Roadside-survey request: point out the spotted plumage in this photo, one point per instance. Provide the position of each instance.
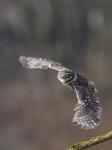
(88, 111)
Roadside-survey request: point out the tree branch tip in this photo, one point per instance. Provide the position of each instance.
(91, 142)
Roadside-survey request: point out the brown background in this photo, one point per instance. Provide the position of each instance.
(35, 109)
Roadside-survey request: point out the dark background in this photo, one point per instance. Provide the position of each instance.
(35, 109)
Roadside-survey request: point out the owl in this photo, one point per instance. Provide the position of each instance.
(88, 111)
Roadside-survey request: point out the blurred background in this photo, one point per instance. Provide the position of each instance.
(35, 109)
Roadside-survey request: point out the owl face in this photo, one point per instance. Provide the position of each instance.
(65, 76)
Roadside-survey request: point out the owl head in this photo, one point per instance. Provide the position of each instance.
(65, 76)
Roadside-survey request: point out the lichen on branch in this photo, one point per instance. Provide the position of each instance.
(91, 142)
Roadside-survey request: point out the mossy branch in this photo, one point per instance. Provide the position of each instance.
(91, 142)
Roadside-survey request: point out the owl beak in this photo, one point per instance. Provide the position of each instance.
(60, 77)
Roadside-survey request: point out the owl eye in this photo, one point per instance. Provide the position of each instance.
(67, 75)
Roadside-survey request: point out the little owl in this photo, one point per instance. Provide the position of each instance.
(88, 111)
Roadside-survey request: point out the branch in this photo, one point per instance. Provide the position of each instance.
(91, 142)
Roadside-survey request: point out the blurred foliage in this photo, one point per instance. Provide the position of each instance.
(36, 110)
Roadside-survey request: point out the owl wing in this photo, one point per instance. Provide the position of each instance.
(41, 63)
(88, 111)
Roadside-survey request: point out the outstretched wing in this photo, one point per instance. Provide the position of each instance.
(41, 63)
(88, 111)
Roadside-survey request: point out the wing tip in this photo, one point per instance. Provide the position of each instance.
(23, 60)
(87, 121)
(85, 127)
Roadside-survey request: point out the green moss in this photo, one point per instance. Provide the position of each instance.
(93, 141)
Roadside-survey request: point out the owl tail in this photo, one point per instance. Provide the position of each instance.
(86, 118)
